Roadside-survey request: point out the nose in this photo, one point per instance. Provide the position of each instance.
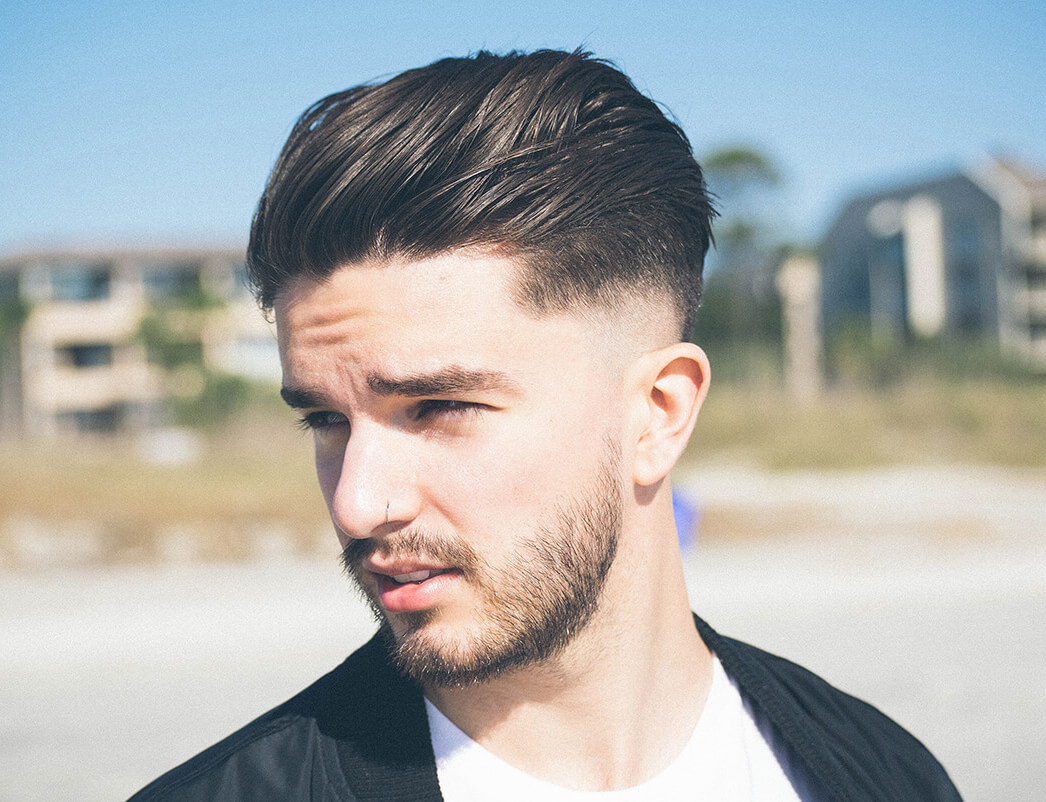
(368, 486)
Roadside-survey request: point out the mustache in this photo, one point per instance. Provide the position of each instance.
(414, 544)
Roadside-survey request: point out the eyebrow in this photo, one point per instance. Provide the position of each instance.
(446, 381)
(298, 398)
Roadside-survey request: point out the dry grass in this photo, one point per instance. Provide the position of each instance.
(252, 486)
(253, 490)
(725, 522)
(991, 422)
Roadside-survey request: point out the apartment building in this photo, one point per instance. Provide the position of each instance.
(102, 340)
(959, 255)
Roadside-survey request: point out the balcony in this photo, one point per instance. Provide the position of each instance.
(109, 320)
(1034, 251)
(68, 388)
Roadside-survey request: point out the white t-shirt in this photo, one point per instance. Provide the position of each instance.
(725, 759)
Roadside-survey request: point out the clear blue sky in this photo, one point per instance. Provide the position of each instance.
(149, 122)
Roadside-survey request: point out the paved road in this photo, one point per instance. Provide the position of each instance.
(925, 595)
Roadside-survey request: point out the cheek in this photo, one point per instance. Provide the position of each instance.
(328, 471)
(507, 486)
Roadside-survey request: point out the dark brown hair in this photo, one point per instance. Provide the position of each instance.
(553, 158)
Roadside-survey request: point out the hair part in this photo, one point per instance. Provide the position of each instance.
(554, 159)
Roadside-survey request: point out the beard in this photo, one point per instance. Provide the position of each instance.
(529, 609)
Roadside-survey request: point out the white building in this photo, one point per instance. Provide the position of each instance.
(103, 339)
(960, 255)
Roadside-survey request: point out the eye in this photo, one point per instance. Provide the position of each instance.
(322, 420)
(443, 408)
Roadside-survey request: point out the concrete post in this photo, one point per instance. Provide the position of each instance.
(799, 283)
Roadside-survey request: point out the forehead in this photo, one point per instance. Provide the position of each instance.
(445, 291)
(399, 317)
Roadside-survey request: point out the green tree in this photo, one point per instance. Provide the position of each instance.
(744, 181)
(171, 334)
(740, 316)
(14, 312)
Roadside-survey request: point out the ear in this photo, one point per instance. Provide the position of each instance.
(671, 386)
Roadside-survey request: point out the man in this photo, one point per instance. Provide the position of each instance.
(483, 273)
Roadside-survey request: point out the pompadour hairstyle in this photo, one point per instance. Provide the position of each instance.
(552, 158)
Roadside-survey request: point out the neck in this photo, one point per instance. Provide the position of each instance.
(621, 701)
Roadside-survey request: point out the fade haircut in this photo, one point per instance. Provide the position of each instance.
(554, 159)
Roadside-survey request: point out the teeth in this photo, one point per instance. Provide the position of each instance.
(415, 576)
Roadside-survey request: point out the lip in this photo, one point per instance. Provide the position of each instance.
(392, 566)
(414, 596)
(411, 596)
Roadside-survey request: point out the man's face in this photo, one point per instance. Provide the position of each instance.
(489, 438)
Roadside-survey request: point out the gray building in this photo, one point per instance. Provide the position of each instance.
(961, 255)
(102, 339)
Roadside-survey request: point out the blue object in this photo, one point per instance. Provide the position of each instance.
(688, 515)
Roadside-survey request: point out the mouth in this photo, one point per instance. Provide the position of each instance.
(413, 591)
(417, 577)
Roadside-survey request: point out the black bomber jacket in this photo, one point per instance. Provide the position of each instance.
(360, 734)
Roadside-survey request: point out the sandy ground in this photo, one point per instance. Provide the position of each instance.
(922, 591)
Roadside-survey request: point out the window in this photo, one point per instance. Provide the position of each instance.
(86, 355)
(1038, 220)
(172, 281)
(80, 281)
(964, 239)
(965, 296)
(106, 419)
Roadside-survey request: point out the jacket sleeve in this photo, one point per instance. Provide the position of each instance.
(357, 734)
(277, 757)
